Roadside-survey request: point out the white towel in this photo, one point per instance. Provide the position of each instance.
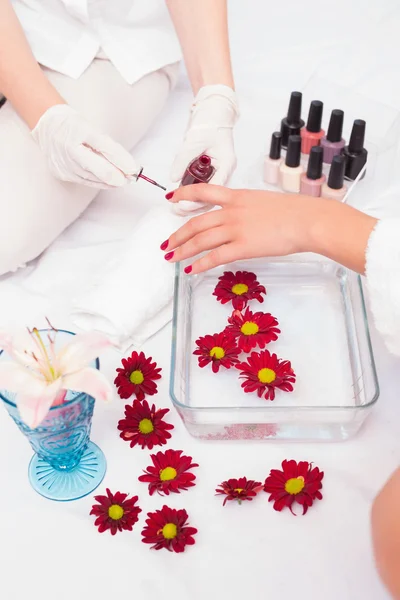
(130, 297)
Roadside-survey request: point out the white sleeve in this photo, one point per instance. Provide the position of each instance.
(383, 278)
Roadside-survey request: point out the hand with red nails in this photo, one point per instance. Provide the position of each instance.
(254, 223)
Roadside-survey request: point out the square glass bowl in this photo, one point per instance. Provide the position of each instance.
(324, 333)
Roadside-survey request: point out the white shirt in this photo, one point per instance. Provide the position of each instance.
(65, 35)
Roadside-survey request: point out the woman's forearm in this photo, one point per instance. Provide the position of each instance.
(339, 232)
(22, 81)
(202, 28)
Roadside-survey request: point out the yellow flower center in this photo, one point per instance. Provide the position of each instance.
(217, 352)
(136, 377)
(115, 512)
(266, 375)
(169, 531)
(240, 288)
(295, 485)
(168, 474)
(249, 328)
(146, 426)
(238, 490)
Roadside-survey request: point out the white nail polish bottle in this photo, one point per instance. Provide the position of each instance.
(291, 170)
(273, 160)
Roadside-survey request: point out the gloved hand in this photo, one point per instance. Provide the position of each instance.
(77, 152)
(210, 131)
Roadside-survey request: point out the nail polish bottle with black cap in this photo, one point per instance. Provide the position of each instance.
(311, 182)
(355, 153)
(335, 187)
(312, 133)
(333, 143)
(291, 170)
(292, 123)
(273, 160)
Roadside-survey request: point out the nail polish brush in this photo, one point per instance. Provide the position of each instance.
(141, 176)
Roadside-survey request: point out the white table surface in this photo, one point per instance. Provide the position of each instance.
(52, 550)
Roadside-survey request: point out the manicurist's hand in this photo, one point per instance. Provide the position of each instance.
(77, 152)
(253, 224)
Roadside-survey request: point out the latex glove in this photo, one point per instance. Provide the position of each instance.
(77, 152)
(210, 131)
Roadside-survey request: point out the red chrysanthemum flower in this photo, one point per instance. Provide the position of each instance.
(167, 528)
(252, 329)
(169, 472)
(137, 376)
(263, 372)
(238, 288)
(239, 489)
(297, 482)
(115, 512)
(219, 349)
(144, 426)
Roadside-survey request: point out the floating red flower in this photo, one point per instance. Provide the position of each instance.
(115, 512)
(169, 472)
(144, 426)
(137, 376)
(219, 349)
(252, 329)
(238, 288)
(263, 372)
(168, 528)
(239, 489)
(297, 482)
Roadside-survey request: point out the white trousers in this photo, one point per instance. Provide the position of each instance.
(35, 207)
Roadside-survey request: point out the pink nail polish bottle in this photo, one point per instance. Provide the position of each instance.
(335, 187)
(312, 181)
(200, 170)
(333, 143)
(312, 134)
(273, 160)
(291, 170)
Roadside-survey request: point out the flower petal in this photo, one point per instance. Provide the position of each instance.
(33, 407)
(20, 346)
(82, 350)
(90, 381)
(16, 378)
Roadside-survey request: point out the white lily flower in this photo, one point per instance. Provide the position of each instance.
(40, 376)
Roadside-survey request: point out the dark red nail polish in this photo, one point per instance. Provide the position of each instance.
(164, 245)
(169, 255)
(169, 195)
(188, 269)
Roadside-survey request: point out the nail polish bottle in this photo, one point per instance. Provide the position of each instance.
(311, 182)
(335, 187)
(273, 160)
(200, 170)
(333, 143)
(292, 123)
(355, 153)
(291, 170)
(312, 134)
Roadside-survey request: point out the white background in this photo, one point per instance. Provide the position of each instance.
(52, 550)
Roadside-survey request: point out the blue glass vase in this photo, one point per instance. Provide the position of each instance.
(66, 465)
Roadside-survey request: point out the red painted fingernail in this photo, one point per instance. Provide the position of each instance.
(188, 269)
(164, 245)
(169, 195)
(169, 255)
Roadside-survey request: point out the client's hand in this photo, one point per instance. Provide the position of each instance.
(252, 224)
(77, 152)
